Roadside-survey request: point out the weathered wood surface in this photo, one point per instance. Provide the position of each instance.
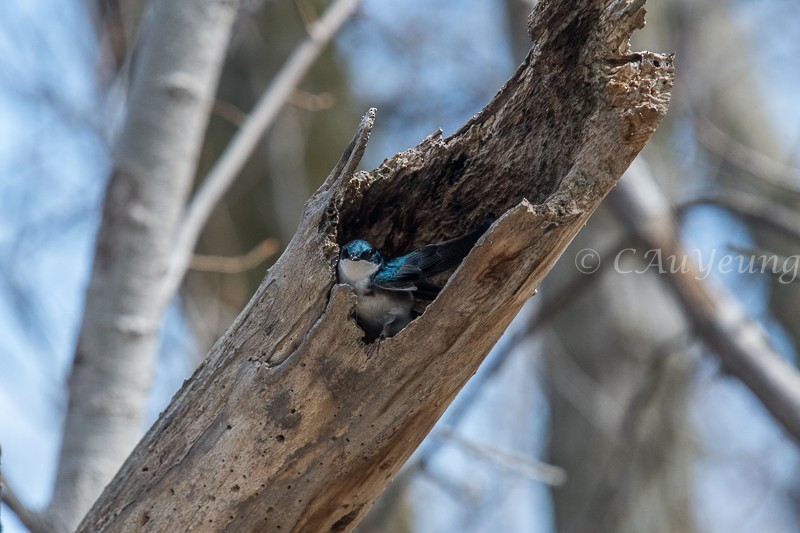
(287, 426)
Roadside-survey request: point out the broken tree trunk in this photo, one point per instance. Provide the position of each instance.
(287, 425)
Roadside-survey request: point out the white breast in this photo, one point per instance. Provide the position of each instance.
(357, 274)
(376, 308)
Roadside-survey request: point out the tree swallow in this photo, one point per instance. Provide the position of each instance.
(387, 290)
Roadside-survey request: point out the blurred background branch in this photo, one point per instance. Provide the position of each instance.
(740, 343)
(235, 265)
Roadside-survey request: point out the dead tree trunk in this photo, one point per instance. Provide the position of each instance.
(287, 425)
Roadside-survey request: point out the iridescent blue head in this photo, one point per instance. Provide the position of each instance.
(361, 251)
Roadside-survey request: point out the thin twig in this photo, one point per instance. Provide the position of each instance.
(229, 112)
(226, 169)
(582, 391)
(237, 264)
(30, 519)
(310, 101)
(514, 461)
(302, 99)
(308, 15)
(748, 159)
(753, 208)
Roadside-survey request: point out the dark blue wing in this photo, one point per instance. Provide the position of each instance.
(404, 272)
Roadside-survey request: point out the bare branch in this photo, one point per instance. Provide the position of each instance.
(753, 208)
(514, 461)
(227, 167)
(34, 521)
(235, 265)
(740, 343)
(228, 111)
(600, 408)
(307, 14)
(310, 101)
(752, 161)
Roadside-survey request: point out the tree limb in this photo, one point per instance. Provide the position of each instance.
(287, 424)
(739, 342)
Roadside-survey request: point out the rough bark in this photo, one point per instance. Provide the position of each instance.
(287, 425)
(155, 162)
